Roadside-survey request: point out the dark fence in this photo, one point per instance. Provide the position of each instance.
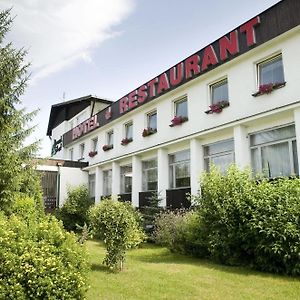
(49, 203)
(144, 198)
(125, 197)
(178, 198)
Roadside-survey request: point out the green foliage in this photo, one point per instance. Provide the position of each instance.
(74, 212)
(38, 259)
(118, 225)
(149, 214)
(179, 231)
(166, 230)
(13, 121)
(244, 221)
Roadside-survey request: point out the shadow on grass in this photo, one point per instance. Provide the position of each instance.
(100, 268)
(165, 256)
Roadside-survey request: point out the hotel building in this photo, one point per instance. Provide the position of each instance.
(237, 100)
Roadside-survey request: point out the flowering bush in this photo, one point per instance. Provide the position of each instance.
(217, 107)
(107, 147)
(268, 88)
(148, 131)
(178, 120)
(126, 141)
(92, 153)
(38, 258)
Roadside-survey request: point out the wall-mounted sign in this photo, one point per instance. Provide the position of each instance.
(273, 22)
(85, 127)
(207, 58)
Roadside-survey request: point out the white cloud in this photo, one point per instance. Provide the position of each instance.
(58, 33)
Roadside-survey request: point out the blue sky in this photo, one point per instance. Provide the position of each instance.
(108, 48)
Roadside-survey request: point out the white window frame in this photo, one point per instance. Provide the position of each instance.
(110, 138)
(94, 144)
(148, 116)
(107, 182)
(126, 130)
(125, 170)
(145, 174)
(172, 169)
(264, 62)
(259, 147)
(178, 101)
(215, 85)
(81, 150)
(92, 185)
(71, 154)
(208, 157)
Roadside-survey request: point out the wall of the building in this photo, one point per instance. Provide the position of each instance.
(246, 114)
(67, 178)
(70, 178)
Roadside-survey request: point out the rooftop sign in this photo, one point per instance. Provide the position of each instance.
(207, 58)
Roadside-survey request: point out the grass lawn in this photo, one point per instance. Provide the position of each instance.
(153, 272)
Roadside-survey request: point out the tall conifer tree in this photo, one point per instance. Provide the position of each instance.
(15, 158)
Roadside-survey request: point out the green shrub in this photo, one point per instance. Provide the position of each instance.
(118, 225)
(38, 259)
(249, 222)
(74, 212)
(190, 239)
(166, 228)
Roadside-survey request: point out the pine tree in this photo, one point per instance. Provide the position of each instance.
(15, 158)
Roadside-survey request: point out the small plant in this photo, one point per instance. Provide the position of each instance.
(126, 141)
(268, 88)
(118, 225)
(217, 107)
(148, 131)
(178, 120)
(107, 147)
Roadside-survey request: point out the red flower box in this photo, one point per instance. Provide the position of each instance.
(178, 120)
(148, 131)
(126, 141)
(92, 153)
(217, 107)
(268, 88)
(107, 147)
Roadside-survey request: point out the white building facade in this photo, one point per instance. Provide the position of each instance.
(237, 100)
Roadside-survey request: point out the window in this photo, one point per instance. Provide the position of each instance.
(180, 108)
(107, 182)
(81, 149)
(219, 92)
(126, 179)
(110, 138)
(94, 144)
(221, 154)
(179, 167)
(71, 154)
(149, 168)
(271, 71)
(92, 186)
(128, 131)
(274, 152)
(152, 120)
